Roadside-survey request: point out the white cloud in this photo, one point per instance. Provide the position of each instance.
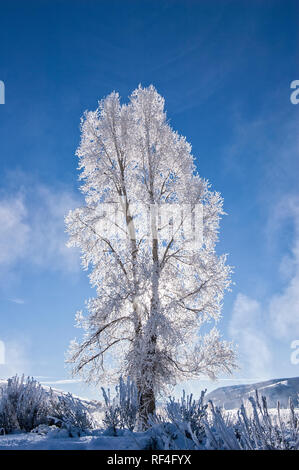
(254, 327)
(49, 237)
(246, 329)
(284, 306)
(14, 230)
(284, 310)
(32, 229)
(16, 360)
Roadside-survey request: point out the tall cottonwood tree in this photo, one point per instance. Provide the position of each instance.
(155, 286)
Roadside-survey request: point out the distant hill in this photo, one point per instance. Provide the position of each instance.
(274, 390)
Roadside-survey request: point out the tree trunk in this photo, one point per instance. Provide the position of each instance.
(147, 405)
(147, 397)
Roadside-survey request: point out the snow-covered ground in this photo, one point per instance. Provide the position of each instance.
(32, 441)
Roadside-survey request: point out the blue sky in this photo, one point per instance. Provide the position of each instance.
(224, 68)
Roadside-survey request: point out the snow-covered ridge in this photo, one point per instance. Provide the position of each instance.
(274, 390)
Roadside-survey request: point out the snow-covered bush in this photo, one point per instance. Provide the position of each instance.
(187, 414)
(257, 432)
(43, 429)
(112, 412)
(180, 425)
(71, 414)
(194, 425)
(23, 404)
(128, 403)
(168, 436)
(220, 432)
(121, 410)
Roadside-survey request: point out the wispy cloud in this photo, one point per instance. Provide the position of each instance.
(61, 382)
(16, 359)
(49, 237)
(246, 328)
(17, 301)
(32, 229)
(284, 306)
(256, 326)
(14, 229)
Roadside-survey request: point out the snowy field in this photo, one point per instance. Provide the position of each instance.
(32, 441)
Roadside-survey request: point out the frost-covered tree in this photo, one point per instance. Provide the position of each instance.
(138, 233)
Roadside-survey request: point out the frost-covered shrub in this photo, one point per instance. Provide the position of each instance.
(263, 432)
(180, 424)
(128, 403)
(260, 431)
(71, 414)
(187, 414)
(23, 404)
(43, 429)
(112, 412)
(51, 431)
(220, 432)
(121, 411)
(168, 436)
(194, 426)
